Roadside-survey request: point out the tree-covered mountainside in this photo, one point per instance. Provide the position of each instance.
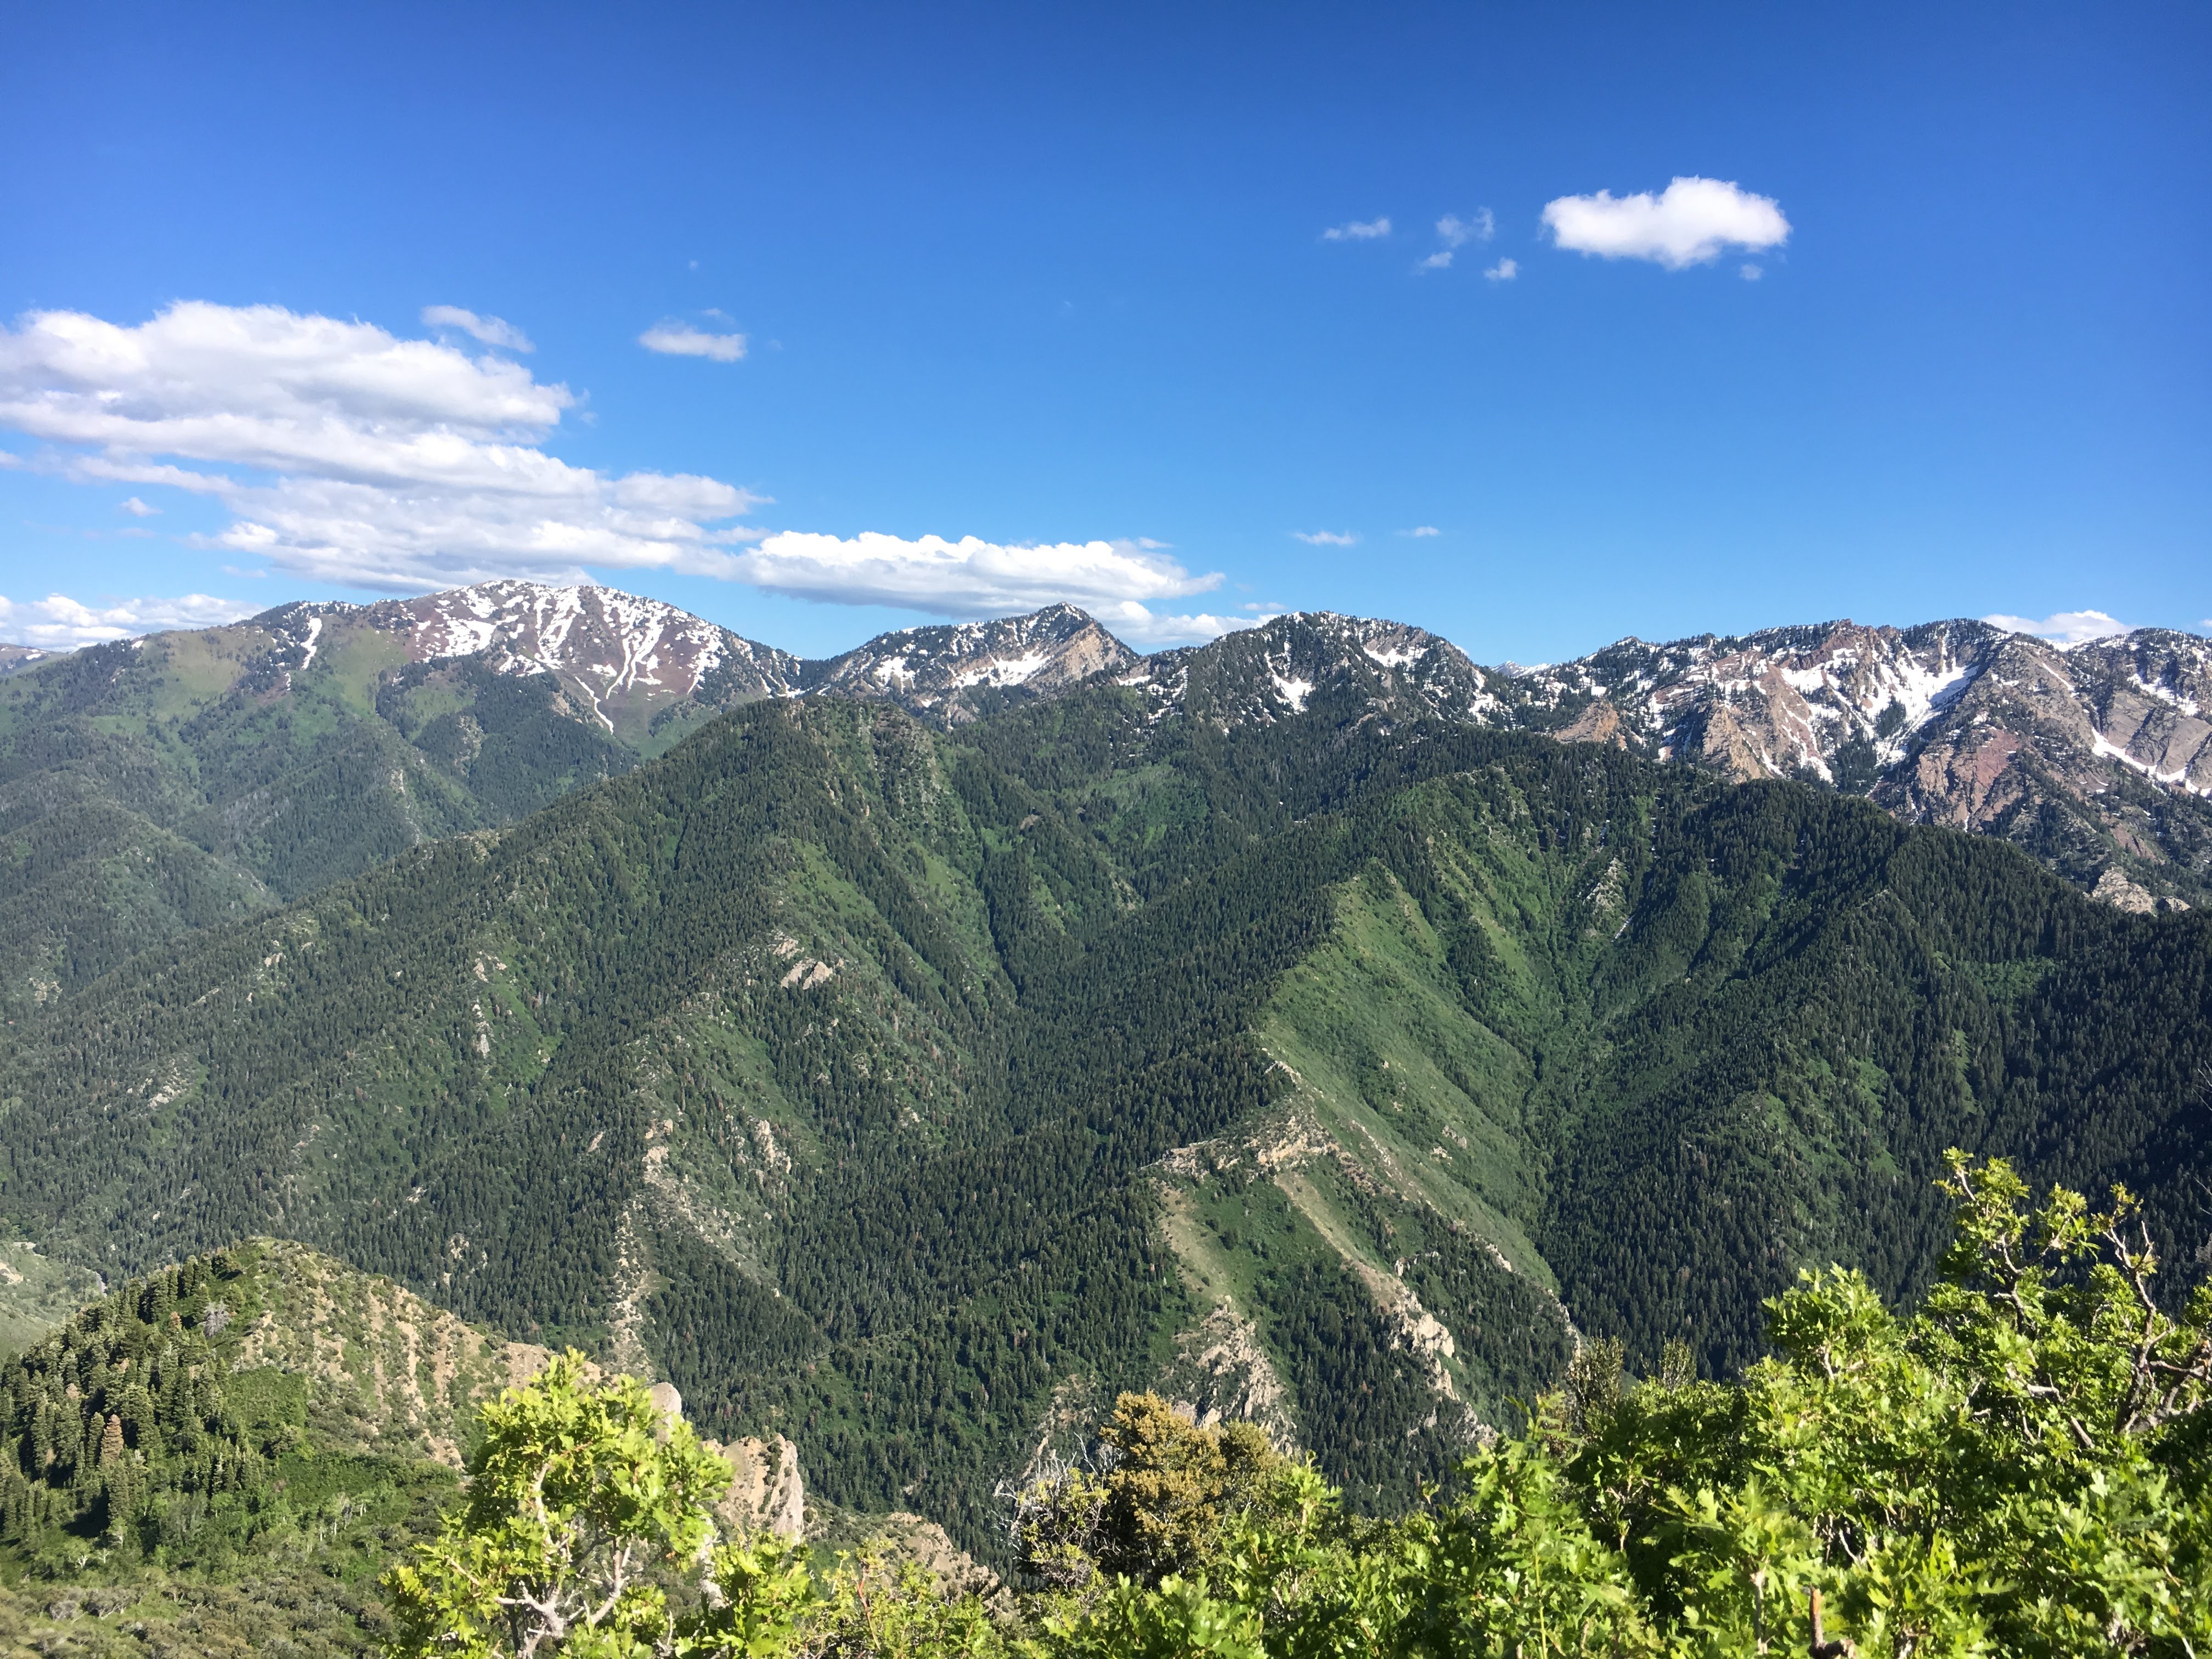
(228, 1455)
(908, 1091)
(152, 788)
(229, 1451)
(149, 788)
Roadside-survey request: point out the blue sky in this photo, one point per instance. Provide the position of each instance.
(1058, 278)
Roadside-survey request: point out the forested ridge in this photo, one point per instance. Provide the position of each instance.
(152, 788)
(885, 1087)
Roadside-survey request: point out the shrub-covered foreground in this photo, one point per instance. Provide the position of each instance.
(2020, 1468)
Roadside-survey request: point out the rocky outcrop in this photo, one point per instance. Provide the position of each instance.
(2093, 759)
(1220, 1371)
(767, 1492)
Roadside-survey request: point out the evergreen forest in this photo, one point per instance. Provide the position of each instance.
(911, 1094)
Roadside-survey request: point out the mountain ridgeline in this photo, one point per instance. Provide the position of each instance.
(1248, 1022)
(149, 787)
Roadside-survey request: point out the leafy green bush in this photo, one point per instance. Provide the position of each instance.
(2020, 1468)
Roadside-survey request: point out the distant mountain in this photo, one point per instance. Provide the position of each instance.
(153, 787)
(2097, 760)
(954, 673)
(1353, 667)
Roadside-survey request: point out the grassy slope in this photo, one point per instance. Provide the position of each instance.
(358, 1399)
(149, 790)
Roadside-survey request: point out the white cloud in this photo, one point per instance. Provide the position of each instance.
(1751, 273)
(1325, 537)
(1688, 223)
(1458, 233)
(1503, 271)
(1356, 232)
(384, 462)
(1436, 261)
(675, 339)
(1419, 529)
(358, 459)
(136, 509)
(971, 577)
(2063, 629)
(61, 623)
(492, 331)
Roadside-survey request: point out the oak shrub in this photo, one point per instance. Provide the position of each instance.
(2021, 1467)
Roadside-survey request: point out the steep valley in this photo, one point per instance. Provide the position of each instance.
(891, 1083)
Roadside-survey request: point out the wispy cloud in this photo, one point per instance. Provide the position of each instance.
(1325, 537)
(1503, 271)
(61, 623)
(675, 339)
(2064, 628)
(1419, 529)
(136, 509)
(1479, 226)
(1751, 273)
(492, 331)
(1688, 223)
(1119, 582)
(1440, 260)
(1356, 231)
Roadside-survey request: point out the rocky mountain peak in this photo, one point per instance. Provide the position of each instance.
(15, 658)
(1350, 666)
(2095, 758)
(950, 672)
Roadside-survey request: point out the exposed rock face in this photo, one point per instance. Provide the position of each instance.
(1766, 705)
(1352, 668)
(952, 673)
(767, 1492)
(2091, 759)
(1220, 1371)
(2098, 761)
(628, 665)
(622, 662)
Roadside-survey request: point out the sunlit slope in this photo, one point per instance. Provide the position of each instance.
(893, 1089)
(152, 788)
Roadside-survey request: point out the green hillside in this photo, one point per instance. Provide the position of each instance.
(227, 1453)
(149, 788)
(907, 1093)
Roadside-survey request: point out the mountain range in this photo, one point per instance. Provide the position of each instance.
(152, 786)
(900, 1055)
